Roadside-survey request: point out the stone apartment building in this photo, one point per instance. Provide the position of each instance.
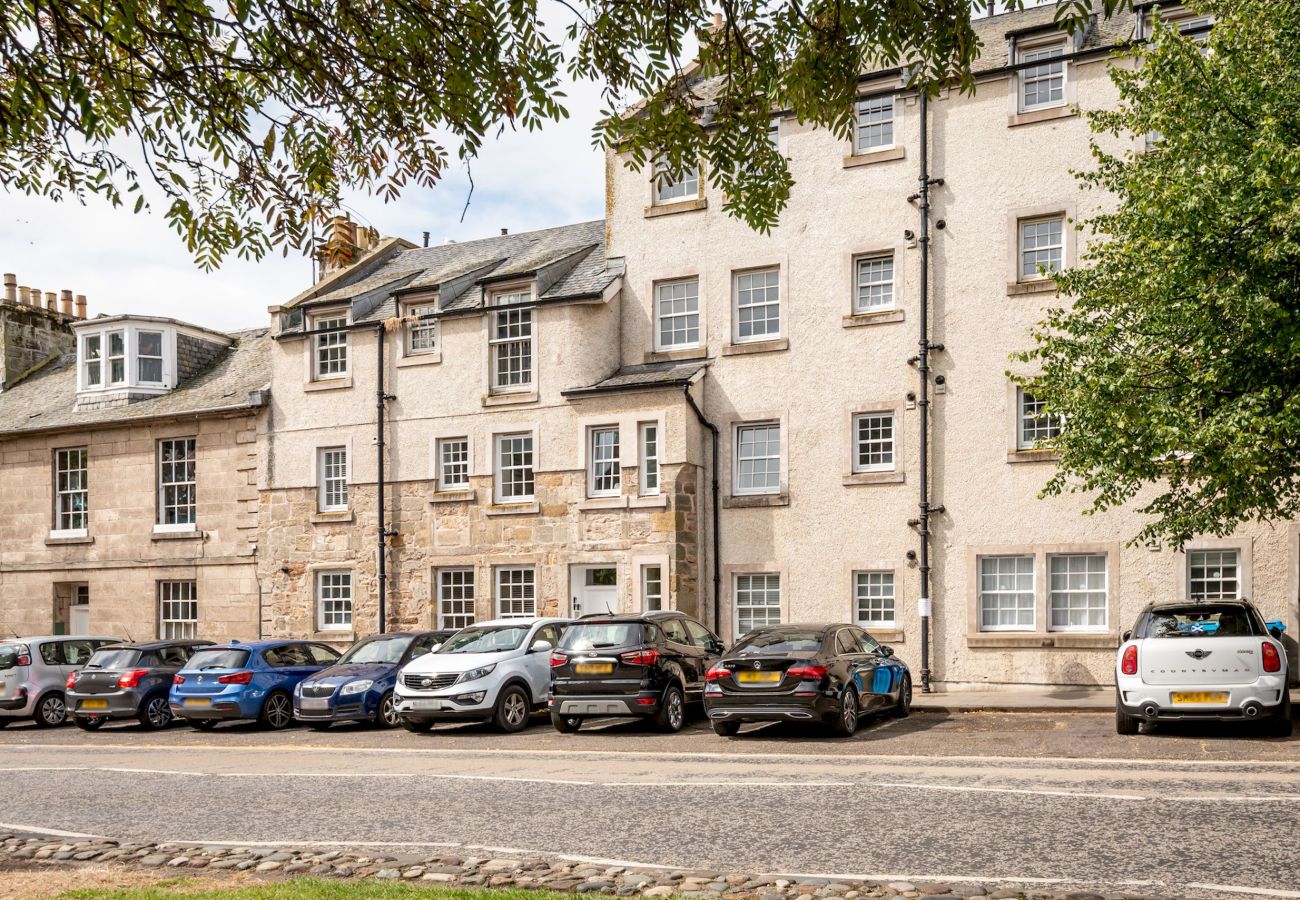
(129, 450)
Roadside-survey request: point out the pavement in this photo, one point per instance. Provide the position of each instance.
(1046, 699)
(1054, 799)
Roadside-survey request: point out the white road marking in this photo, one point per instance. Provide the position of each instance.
(958, 879)
(33, 829)
(1258, 892)
(978, 789)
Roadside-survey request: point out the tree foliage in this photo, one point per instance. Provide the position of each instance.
(1177, 365)
(252, 118)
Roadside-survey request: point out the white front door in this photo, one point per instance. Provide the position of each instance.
(595, 590)
(79, 611)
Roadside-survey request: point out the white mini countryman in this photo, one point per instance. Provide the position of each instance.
(1202, 660)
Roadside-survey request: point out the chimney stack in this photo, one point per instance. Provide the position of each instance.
(11, 287)
(65, 302)
(81, 306)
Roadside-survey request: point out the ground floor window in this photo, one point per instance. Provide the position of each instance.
(178, 610)
(455, 598)
(873, 594)
(1077, 592)
(1006, 593)
(334, 601)
(1213, 575)
(516, 589)
(758, 601)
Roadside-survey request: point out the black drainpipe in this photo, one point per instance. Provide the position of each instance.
(717, 532)
(380, 398)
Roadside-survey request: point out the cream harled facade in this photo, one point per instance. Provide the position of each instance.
(660, 409)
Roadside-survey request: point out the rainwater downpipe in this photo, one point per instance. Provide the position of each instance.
(381, 397)
(717, 532)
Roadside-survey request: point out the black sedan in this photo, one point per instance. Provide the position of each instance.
(832, 674)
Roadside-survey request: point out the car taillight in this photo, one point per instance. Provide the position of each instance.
(807, 673)
(558, 659)
(23, 661)
(72, 681)
(243, 677)
(640, 657)
(716, 673)
(131, 679)
(178, 679)
(1128, 664)
(1272, 659)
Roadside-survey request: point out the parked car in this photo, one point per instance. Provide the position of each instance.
(496, 670)
(123, 681)
(649, 665)
(253, 680)
(359, 687)
(33, 672)
(1214, 660)
(830, 674)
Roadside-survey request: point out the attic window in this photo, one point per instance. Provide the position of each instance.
(126, 356)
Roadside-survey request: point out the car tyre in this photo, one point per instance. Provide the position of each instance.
(1281, 724)
(1124, 723)
(846, 723)
(89, 723)
(903, 708)
(565, 724)
(672, 711)
(155, 713)
(201, 724)
(4, 721)
(726, 729)
(417, 726)
(512, 710)
(387, 716)
(276, 712)
(51, 711)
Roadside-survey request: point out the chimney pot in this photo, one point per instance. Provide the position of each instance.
(426, 239)
(65, 302)
(505, 230)
(24, 295)
(51, 301)
(81, 306)
(11, 287)
(35, 297)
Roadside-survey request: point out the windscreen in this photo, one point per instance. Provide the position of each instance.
(113, 659)
(493, 639)
(601, 635)
(9, 654)
(217, 659)
(1201, 620)
(378, 650)
(775, 643)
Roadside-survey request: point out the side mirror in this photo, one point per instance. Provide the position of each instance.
(1124, 638)
(1276, 632)
(716, 645)
(886, 651)
(540, 646)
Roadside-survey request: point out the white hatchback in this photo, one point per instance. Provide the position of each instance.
(498, 670)
(1201, 660)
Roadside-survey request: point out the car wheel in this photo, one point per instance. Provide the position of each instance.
(565, 724)
(1281, 725)
(847, 721)
(1124, 723)
(51, 711)
(726, 729)
(672, 711)
(513, 708)
(89, 723)
(903, 708)
(387, 716)
(277, 711)
(4, 721)
(155, 713)
(419, 726)
(202, 724)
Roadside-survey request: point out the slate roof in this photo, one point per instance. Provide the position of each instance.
(643, 376)
(46, 399)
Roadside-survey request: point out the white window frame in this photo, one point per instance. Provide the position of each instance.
(743, 286)
(499, 469)
(178, 610)
(865, 279)
(603, 482)
(518, 345)
(66, 516)
(442, 447)
(457, 593)
(110, 357)
(1034, 419)
(684, 189)
(877, 589)
(647, 581)
(1043, 53)
(1070, 591)
(1214, 557)
(875, 444)
(1023, 250)
(332, 479)
(422, 337)
(503, 578)
(686, 314)
(651, 478)
(334, 599)
(173, 477)
(744, 587)
(738, 461)
(331, 352)
(862, 131)
(98, 361)
(983, 590)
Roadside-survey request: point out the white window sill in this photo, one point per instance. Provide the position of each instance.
(649, 501)
(1042, 640)
(458, 495)
(1033, 286)
(619, 502)
(754, 501)
(513, 508)
(329, 384)
(512, 398)
(674, 354)
(332, 516)
(745, 347)
(1041, 114)
(333, 635)
(882, 477)
(885, 634)
(1032, 456)
(874, 317)
(430, 358)
(78, 536)
(173, 529)
(870, 157)
(676, 206)
(173, 533)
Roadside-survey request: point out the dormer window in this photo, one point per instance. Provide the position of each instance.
(149, 357)
(331, 346)
(116, 357)
(122, 359)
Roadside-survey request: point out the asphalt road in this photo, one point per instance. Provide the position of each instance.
(1031, 798)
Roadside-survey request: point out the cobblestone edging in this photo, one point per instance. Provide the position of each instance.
(502, 872)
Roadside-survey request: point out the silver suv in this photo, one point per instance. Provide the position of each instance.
(33, 672)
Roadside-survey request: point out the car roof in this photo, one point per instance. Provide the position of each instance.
(1184, 604)
(155, 645)
(651, 615)
(259, 645)
(42, 638)
(547, 620)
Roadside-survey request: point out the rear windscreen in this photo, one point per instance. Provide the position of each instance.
(9, 654)
(217, 659)
(600, 635)
(777, 642)
(1201, 620)
(113, 659)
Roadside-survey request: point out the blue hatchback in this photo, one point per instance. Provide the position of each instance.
(359, 688)
(253, 680)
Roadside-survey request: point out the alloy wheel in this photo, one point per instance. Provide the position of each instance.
(278, 713)
(388, 712)
(158, 712)
(849, 715)
(53, 710)
(516, 709)
(675, 712)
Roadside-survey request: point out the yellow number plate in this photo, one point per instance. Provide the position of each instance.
(94, 704)
(594, 668)
(1200, 697)
(197, 701)
(758, 677)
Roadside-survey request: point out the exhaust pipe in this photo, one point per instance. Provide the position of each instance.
(1251, 710)
(1150, 712)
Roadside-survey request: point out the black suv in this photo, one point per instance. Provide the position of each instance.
(648, 665)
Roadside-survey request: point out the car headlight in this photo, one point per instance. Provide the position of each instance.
(356, 687)
(474, 674)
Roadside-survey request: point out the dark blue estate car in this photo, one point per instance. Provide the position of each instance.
(253, 680)
(359, 688)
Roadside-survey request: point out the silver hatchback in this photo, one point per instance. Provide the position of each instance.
(34, 670)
